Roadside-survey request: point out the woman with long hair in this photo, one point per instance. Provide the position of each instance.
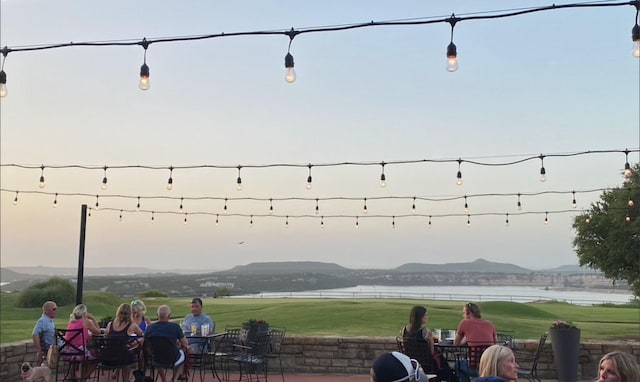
(498, 361)
(138, 310)
(618, 366)
(81, 319)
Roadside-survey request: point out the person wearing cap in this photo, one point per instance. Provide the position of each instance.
(396, 367)
(197, 318)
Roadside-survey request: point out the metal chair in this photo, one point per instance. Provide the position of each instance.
(531, 373)
(224, 352)
(276, 336)
(161, 353)
(113, 354)
(71, 356)
(417, 349)
(251, 357)
(506, 339)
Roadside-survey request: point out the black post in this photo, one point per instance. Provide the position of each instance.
(83, 229)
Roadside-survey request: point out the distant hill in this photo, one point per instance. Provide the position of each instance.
(572, 269)
(288, 267)
(479, 266)
(8, 275)
(68, 271)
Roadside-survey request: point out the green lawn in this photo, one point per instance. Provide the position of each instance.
(345, 317)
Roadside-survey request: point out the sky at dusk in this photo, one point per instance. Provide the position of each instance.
(554, 82)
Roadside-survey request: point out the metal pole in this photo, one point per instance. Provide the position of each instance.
(83, 229)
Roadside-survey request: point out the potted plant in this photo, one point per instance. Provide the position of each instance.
(565, 342)
(252, 329)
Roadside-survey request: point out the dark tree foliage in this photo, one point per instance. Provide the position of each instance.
(56, 289)
(608, 235)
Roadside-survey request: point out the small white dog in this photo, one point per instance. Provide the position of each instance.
(35, 374)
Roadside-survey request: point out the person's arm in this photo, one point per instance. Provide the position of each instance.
(184, 344)
(108, 330)
(459, 335)
(89, 322)
(38, 346)
(428, 336)
(212, 325)
(135, 329)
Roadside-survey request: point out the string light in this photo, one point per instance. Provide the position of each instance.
(185, 218)
(587, 220)
(519, 205)
(120, 218)
(309, 178)
(153, 217)
(466, 206)
(286, 222)
(452, 51)
(364, 209)
(170, 180)
(317, 207)
(217, 219)
(97, 204)
(15, 200)
(506, 221)
(413, 206)
(546, 218)
(104, 179)
(383, 178)
(239, 180)
(144, 83)
(224, 209)
(55, 201)
(270, 206)
(290, 76)
(393, 222)
(321, 221)
(181, 201)
(138, 205)
(627, 166)
(357, 222)
(627, 218)
(251, 221)
(41, 184)
(635, 34)
(468, 220)
(543, 172)
(459, 174)
(3, 75)
(630, 202)
(573, 202)
(429, 225)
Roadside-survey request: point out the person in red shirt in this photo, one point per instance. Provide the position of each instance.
(473, 330)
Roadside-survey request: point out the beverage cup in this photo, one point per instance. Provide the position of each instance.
(204, 329)
(436, 335)
(194, 329)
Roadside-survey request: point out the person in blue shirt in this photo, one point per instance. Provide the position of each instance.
(197, 318)
(44, 332)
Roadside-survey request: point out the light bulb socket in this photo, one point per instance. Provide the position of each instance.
(635, 36)
(543, 171)
(383, 177)
(452, 51)
(288, 61)
(239, 181)
(3, 77)
(309, 179)
(144, 71)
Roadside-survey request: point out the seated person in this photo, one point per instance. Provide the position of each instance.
(81, 319)
(476, 333)
(416, 330)
(165, 328)
(123, 325)
(197, 318)
(618, 366)
(396, 367)
(498, 364)
(44, 331)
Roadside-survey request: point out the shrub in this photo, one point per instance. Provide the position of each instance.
(152, 293)
(56, 289)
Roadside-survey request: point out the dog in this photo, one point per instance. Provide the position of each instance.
(35, 374)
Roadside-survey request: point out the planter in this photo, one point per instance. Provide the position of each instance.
(250, 332)
(565, 343)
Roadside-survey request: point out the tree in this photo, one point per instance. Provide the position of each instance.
(56, 289)
(608, 235)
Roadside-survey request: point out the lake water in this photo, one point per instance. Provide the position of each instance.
(459, 293)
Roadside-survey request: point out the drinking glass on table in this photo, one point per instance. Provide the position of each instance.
(436, 335)
(194, 329)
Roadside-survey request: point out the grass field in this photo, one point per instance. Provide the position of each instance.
(343, 317)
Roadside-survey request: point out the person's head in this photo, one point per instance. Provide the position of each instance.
(396, 367)
(78, 312)
(618, 366)
(499, 361)
(418, 317)
(123, 314)
(138, 308)
(164, 313)
(196, 306)
(50, 309)
(471, 310)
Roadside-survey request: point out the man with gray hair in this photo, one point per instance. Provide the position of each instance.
(44, 332)
(165, 328)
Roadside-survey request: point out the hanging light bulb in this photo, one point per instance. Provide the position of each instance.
(519, 204)
(3, 84)
(573, 203)
(270, 206)
(309, 178)
(15, 200)
(170, 180)
(543, 172)
(181, 200)
(627, 218)
(239, 180)
(55, 201)
(104, 179)
(393, 222)
(290, 76)
(383, 178)
(506, 221)
(153, 216)
(41, 184)
(321, 221)
(429, 225)
(357, 223)
(251, 221)
(587, 220)
(459, 174)
(185, 218)
(627, 167)
(138, 205)
(468, 220)
(97, 204)
(224, 209)
(120, 218)
(365, 209)
(317, 207)
(466, 206)
(452, 51)
(413, 206)
(630, 202)
(635, 36)
(546, 218)
(144, 83)
(286, 222)
(217, 219)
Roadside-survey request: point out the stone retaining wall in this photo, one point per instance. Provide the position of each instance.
(350, 355)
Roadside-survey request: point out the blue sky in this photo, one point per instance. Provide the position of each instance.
(551, 82)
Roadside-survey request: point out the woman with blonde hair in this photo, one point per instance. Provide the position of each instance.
(138, 309)
(81, 320)
(123, 325)
(618, 366)
(498, 361)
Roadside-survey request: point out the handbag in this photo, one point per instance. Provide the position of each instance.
(52, 356)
